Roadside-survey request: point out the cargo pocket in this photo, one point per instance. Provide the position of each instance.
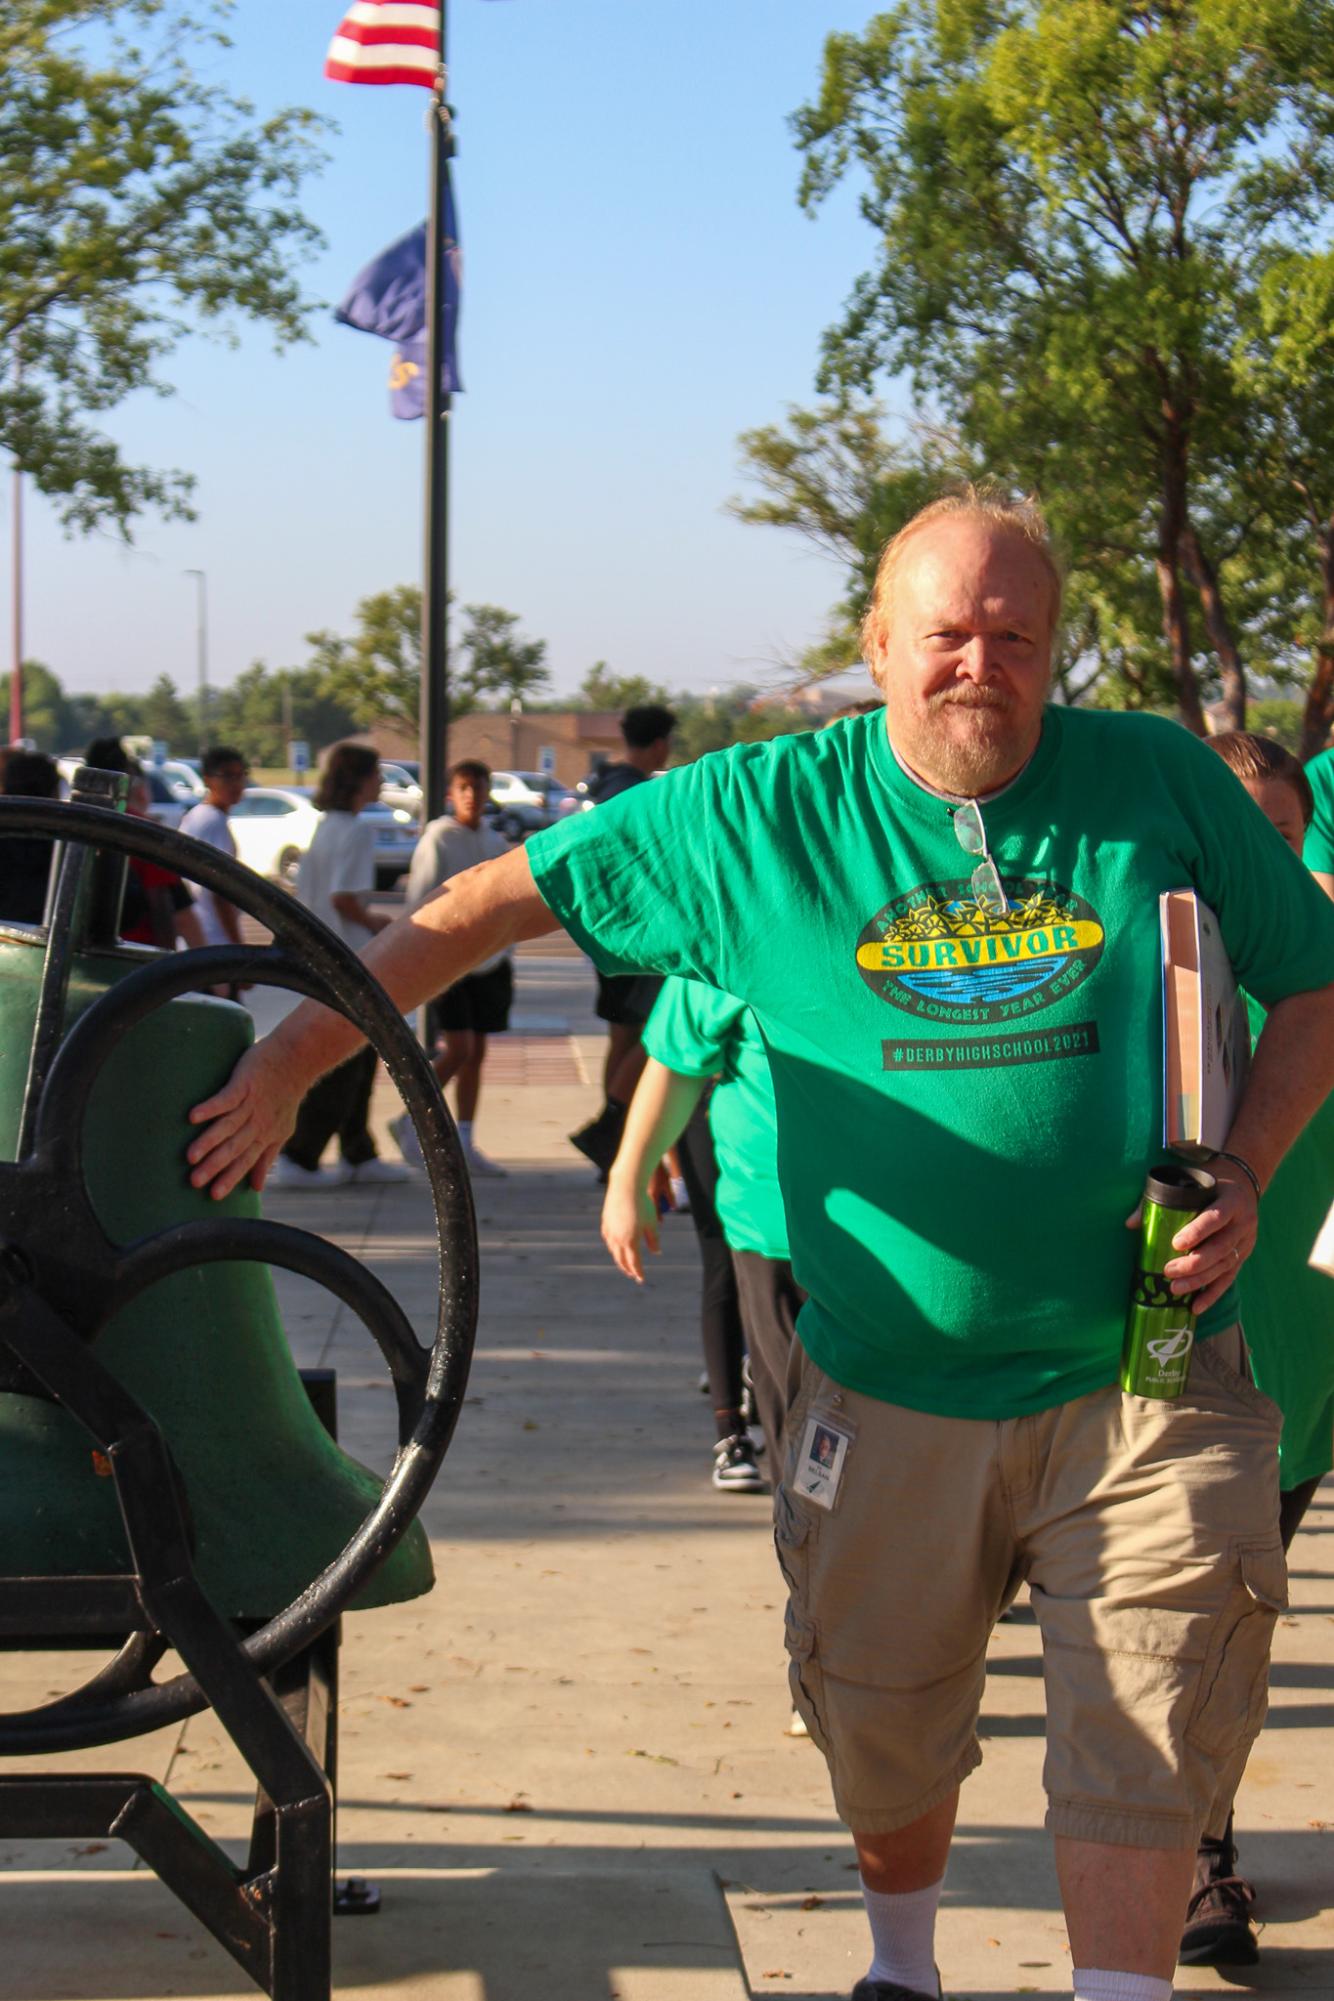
(792, 1532)
(792, 1528)
(1234, 1681)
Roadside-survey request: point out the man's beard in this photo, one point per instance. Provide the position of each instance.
(987, 751)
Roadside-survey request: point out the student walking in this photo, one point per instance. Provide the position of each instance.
(335, 881)
(1287, 1310)
(459, 1020)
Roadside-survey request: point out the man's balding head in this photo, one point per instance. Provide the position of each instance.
(959, 639)
(977, 504)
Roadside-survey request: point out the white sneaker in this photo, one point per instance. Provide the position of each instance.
(376, 1169)
(288, 1173)
(481, 1166)
(406, 1140)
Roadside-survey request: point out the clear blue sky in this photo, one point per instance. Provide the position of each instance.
(639, 287)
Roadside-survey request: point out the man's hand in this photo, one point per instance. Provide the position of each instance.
(1216, 1243)
(627, 1214)
(245, 1123)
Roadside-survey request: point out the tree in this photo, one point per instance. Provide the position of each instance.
(495, 661)
(837, 477)
(261, 712)
(375, 676)
(1285, 357)
(1070, 197)
(46, 712)
(165, 717)
(603, 690)
(139, 202)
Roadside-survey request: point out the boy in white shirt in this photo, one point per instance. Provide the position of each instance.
(335, 881)
(478, 1005)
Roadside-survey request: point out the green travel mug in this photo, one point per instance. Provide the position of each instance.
(1160, 1325)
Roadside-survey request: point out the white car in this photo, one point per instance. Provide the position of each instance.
(525, 801)
(182, 775)
(400, 785)
(273, 825)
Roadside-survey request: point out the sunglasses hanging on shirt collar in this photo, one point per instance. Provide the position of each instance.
(988, 890)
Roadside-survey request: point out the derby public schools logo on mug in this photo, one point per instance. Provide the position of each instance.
(937, 954)
(1172, 1346)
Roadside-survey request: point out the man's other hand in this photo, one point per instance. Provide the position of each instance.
(245, 1123)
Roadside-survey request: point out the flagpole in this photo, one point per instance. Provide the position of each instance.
(434, 720)
(16, 569)
(16, 561)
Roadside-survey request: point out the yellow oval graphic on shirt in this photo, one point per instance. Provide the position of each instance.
(990, 948)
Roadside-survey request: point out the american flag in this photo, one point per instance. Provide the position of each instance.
(386, 41)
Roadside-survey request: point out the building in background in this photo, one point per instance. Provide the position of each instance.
(566, 743)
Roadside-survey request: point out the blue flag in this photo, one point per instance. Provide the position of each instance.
(388, 299)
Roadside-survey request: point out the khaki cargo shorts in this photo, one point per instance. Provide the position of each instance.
(1147, 1534)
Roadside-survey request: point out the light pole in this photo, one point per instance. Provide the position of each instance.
(201, 638)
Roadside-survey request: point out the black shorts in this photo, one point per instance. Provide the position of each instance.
(479, 1001)
(626, 999)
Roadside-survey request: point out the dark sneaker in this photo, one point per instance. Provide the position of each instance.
(1218, 1929)
(734, 1467)
(599, 1139)
(889, 1990)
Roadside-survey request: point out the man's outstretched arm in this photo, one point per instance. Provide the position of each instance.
(472, 916)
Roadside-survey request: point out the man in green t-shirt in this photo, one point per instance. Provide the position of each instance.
(946, 924)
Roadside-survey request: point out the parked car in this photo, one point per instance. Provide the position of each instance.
(273, 825)
(528, 800)
(163, 804)
(400, 785)
(182, 775)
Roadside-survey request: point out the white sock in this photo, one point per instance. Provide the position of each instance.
(465, 1133)
(903, 1936)
(1095, 1983)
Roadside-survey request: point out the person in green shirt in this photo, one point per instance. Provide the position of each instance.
(945, 921)
(1318, 847)
(1288, 1314)
(694, 1034)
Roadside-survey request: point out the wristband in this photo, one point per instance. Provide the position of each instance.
(1222, 1154)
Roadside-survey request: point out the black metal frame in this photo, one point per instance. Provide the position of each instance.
(61, 1281)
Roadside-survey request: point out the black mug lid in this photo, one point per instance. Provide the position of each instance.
(1173, 1185)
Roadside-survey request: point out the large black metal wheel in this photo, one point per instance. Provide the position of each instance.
(45, 1210)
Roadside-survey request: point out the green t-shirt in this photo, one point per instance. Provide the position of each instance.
(967, 1105)
(1318, 853)
(1287, 1307)
(699, 1032)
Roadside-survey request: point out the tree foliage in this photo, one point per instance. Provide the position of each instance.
(602, 688)
(494, 661)
(374, 675)
(263, 712)
(46, 712)
(1100, 255)
(139, 202)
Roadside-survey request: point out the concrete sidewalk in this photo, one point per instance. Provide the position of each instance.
(551, 1763)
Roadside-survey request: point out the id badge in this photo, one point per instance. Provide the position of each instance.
(825, 1445)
